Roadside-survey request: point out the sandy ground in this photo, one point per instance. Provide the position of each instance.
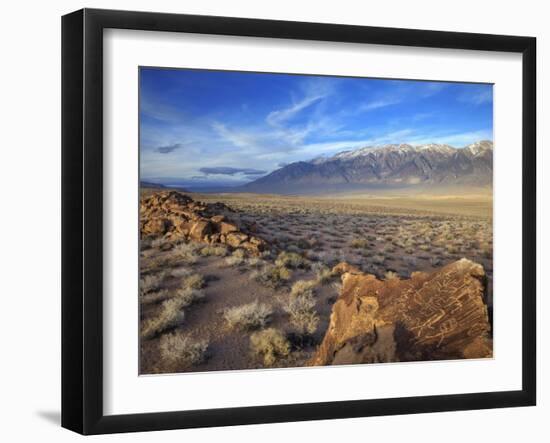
(398, 234)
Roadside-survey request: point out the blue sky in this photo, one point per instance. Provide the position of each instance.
(201, 127)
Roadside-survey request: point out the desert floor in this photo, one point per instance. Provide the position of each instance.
(388, 236)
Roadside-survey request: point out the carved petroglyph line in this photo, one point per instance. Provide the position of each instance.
(430, 322)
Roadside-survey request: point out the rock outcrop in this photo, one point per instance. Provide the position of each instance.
(437, 316)
(172, 214)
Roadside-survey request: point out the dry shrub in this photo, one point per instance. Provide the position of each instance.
(237, 258)
(303, 287)
(187, 253)
(391, 275)
(181, 272)
(170, 315)
(145, 243)
(271, 344)
(233, 261)
(147, 253)
(250, 316)
(451, 249)
(239, 253)
(193, 281)
(157, 242)
(359, 243)
(302, 313)
(272, 276)
(188, 296)
(291, 260)
(255, 262)
(378, 259)
(322, 272)
(164, 261)
(216, 251)
(151, 283)
(182, 350)
(154, 297)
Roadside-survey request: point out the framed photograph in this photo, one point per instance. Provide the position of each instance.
(269, 221)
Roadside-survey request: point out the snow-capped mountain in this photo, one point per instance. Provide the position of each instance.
(387, 166)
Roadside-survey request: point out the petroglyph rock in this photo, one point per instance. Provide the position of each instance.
(432, 316)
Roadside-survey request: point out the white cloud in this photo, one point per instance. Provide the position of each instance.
(431, 88)
(457, 139)
(278, 117)
(242, 139)
(478, 97)
(311, 125)
(160, 111)
(377, 104)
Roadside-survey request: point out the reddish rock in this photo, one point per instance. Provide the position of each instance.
(344, 267)
(200, 229)
(155, 226)
(235, 238)
(174, 215)
(226, 228)
(432, 316)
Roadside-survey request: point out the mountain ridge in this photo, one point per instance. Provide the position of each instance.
(384, 167)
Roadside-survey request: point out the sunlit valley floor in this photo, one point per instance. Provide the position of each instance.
(213, 301)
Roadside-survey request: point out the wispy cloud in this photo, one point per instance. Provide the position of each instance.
(242, 139)
(301, 117)
(228, 170)
(456, 139)
(285, 128)
(377, 104)
(311, 150)
(477, 97)
(221, 129)
(428, 89)
(277, 117)
(159, 111)
(168, 148)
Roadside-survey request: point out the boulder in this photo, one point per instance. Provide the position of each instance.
(226, 228)
(344, 267)
(174, 215)
(235, 238)
(431, 316)
(200, 229)
(155, 226)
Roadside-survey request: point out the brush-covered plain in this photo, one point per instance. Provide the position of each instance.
(208, 307)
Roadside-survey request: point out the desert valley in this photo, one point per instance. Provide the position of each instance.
(373, 255)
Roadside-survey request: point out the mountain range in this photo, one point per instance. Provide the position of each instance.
(395, 166)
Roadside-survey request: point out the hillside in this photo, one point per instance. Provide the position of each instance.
(384, 167)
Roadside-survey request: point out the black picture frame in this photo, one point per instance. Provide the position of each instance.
(82, 218)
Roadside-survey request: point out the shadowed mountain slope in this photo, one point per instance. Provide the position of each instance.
(384, 167)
